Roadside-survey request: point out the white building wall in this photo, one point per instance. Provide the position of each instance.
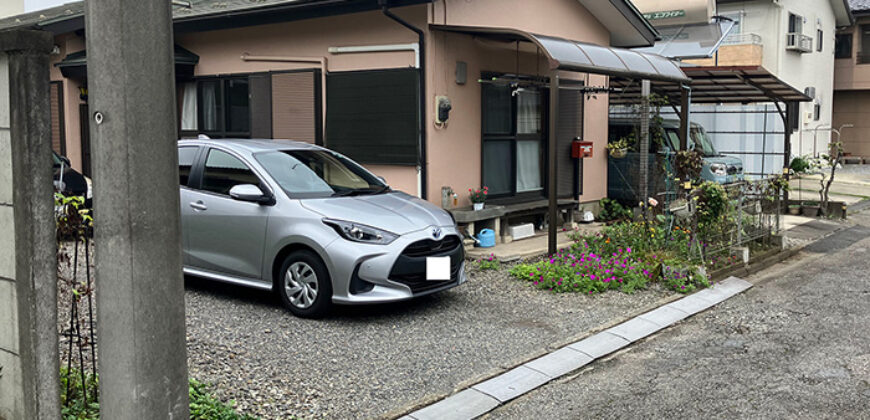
(769, 19)
(11, 8)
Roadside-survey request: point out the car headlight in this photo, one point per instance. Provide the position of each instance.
(361, 233)
(719, 169)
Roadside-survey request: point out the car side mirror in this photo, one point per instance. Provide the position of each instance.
(249, 192)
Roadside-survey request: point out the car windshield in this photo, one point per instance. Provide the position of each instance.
(701, 142)
(318, 174)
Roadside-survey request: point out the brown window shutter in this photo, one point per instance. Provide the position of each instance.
(260, 105)
(57, 133)
(295, 106)
(570, 126)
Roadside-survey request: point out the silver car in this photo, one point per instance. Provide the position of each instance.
(311, 225)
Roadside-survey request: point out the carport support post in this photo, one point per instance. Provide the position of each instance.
(551, 161)
(140, 287)
(685, 103)
(29, 384)
(644, 140)
(786, 149)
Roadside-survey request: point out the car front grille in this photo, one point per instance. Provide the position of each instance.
(410, 267)
(428, 247)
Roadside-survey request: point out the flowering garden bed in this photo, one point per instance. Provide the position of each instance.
(625, 257)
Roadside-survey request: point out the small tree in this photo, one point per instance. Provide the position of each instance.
(831, 160)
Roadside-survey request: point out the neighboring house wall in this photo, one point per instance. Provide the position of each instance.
(852, 91)
(11, 7)
(70, 97)
(770, 21)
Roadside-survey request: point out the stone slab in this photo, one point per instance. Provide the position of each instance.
(513, 383)
(600, 344)
(467, 404)
(560, 362)
(665, 316)
(724, 290)
(691, 304)
(635, 329)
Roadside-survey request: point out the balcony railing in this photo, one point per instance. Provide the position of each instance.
(742, 39)
(798, 42)
(863, 57)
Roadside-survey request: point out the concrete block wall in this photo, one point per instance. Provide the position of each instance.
(11, 398)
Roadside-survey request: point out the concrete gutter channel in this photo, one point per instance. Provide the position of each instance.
(487, 395)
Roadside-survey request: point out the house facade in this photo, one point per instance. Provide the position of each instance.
(348, 77)
(852, 81)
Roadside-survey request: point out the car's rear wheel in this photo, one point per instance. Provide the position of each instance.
(304, 285)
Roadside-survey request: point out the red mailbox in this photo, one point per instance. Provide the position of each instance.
(581, 149)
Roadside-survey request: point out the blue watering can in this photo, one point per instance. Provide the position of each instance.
(486, 238)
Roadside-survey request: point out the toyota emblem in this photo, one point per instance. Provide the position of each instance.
(436, 233)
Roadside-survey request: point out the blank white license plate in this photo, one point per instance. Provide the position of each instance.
(437, 268)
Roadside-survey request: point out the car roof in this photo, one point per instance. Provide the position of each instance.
(252, 145)
(668, 123)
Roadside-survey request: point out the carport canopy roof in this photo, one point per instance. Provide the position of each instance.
(717, 85)
(568, 55)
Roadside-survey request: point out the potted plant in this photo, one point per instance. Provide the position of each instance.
(811, 208)
(478, 196)
(618, 149)
(794, 209)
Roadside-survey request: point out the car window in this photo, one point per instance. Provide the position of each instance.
(316, 173)
(224, 171)
(673, 139)
(186, 155)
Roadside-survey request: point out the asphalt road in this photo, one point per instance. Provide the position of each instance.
(795, 346)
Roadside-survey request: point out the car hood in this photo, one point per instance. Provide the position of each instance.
(396, 211)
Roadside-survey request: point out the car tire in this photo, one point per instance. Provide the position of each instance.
(304, 285)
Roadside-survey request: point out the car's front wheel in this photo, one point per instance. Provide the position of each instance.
(304, 285)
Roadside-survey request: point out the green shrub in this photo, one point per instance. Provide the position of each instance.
(800, 164)
(203, 405)
(612, 211)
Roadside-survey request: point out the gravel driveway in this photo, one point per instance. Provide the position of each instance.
(378, 361)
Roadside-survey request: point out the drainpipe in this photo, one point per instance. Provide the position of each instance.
(384, 4)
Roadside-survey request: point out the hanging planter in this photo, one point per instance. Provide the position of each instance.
(619, 149)
(618, 153)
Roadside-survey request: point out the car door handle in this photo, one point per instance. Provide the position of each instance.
(198, 205)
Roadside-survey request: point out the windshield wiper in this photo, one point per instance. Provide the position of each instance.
(361, 191)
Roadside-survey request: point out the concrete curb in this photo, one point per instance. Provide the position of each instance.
(485, 396)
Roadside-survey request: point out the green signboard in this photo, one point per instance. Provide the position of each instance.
(665, 15)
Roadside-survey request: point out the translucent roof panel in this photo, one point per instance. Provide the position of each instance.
(690, 41)
(568, 55)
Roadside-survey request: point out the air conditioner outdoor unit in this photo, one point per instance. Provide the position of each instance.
(798, 42)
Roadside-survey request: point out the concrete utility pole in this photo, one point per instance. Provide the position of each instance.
(140, 297)
(29, 382)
